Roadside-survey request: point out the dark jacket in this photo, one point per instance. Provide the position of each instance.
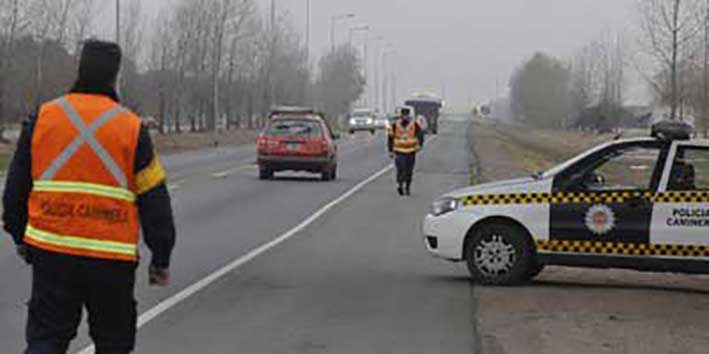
(154, 206)
(420, 135)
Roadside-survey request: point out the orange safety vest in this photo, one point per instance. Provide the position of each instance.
(405, 140)
(84, 184)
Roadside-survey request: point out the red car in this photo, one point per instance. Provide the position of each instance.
(297, 141)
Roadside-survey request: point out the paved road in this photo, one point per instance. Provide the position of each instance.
(355, 281)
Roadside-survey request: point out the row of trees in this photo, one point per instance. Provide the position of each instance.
(670, 51)
(200, 64)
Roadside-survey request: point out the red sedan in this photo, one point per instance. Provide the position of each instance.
(297, 142)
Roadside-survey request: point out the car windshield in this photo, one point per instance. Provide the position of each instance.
(294, 128)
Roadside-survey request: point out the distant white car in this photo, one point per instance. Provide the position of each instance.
(639, 203)
(362, 120)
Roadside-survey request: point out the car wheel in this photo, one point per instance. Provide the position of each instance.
(265, 173)
(373, 132)
(536, 269)
(326, 175)
(500, 254)
(352, 132)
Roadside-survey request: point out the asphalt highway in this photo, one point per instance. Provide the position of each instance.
(354, 279)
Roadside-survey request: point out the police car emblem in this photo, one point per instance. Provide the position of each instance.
(600, 219)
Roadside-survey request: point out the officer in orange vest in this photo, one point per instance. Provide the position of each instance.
(406, 138)
(83, 180)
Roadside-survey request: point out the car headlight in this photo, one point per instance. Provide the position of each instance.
(370, 122)
(353, 122)
(445, 206)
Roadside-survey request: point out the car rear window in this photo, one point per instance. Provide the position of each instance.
(294, 128)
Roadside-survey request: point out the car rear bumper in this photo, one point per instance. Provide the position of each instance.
(295, 163)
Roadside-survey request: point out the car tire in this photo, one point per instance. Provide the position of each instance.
(535, 270)
(500, 254)
(373, 132)
(352, 132)
(326, 175)
(265, 173)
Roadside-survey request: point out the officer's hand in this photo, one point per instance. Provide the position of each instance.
(159, 276)
(24, 252)
(391, 155)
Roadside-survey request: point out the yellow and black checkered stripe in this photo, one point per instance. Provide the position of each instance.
(680, 197)
(622, 249)
(584, 198)
(549, 198)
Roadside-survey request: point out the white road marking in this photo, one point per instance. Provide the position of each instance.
(228, 172)
(186, 293)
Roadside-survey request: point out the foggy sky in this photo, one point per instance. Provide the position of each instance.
(463, 47)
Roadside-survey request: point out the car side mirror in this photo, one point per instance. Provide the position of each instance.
(336, 136)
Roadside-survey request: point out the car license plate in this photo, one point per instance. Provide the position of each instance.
(292, 147)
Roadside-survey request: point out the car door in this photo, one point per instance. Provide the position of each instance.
(604, 201)
(681, 214)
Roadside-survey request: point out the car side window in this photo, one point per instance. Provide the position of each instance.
(690, 170)
(625, 168)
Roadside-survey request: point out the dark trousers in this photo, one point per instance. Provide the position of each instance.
(62, 285)
(405, 164)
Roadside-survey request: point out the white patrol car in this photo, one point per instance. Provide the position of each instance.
(634, 203)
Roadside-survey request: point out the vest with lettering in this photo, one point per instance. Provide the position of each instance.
(405, 140)
(84, 189)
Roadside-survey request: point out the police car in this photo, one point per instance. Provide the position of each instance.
(640, 203)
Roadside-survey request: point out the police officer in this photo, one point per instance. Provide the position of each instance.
(83, 180)
(406, 138)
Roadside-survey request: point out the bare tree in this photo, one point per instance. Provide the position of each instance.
(670, 28)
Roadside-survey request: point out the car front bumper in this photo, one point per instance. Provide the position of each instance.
(444, 235)
(357, 128)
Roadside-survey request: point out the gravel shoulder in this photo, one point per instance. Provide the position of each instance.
(582, 311)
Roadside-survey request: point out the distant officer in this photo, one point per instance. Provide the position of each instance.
(83, 181)
(406, 138)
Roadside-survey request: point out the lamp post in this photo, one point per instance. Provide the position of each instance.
(118, 22)
(333, 23)
(357, 29)
(375, 71)
(386, 77)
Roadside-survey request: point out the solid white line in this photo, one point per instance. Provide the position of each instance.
(186, 293)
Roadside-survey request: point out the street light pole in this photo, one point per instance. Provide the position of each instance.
(333, 23)
(118, 22)
(357, 29)
(307, 34)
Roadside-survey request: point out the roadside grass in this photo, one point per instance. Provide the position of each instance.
(511, 151)
(170, 143)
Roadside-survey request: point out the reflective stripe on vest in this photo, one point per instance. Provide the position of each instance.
(86, 135)
(80, 243)
(405, 140)
(84, 188)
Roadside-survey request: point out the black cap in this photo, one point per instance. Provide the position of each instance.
(98, 69)
(100, 63)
